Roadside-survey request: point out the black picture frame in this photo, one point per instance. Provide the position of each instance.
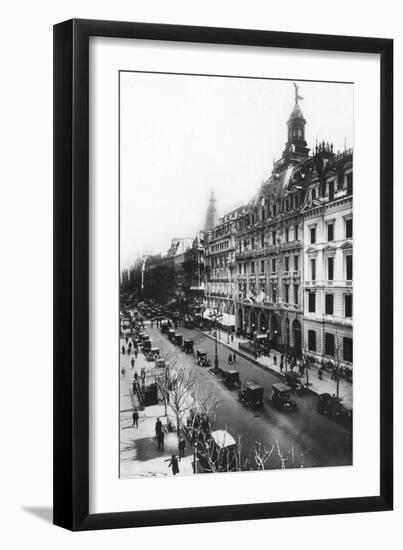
(71, 273)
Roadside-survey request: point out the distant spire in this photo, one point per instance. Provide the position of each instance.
(211, 216)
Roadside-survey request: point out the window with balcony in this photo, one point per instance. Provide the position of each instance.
(286, 263)
(262, 213)
(296, 287)
(313, 235)
(348, 305)
(287, 235)
(329, 344)
(329, 299)
(296, 263)
(348, 349)
(262, 241)
(274, 209)
(330, 231)
(261, 266)
(240, 269)
(286, 293)
(312, 302)
(244, 268)
(273, 265)
(330, 268)
(349, 228)
(349, 267)
(273, 237)
(296, 237)
(311, 340)
(273, 293)
(252, 267)
(313, 269)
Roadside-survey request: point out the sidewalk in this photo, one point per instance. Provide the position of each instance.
(326, 385)
(139, 454)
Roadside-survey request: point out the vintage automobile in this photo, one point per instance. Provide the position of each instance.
(188, 322)
(164, 326)
(201, 358)
(292, 380)
(155, 352)
(147, 344)
(171, 334)
(187, 346)
(281, 397)
(331, 406)
(251, 395)
(178, 339)
(231, 378)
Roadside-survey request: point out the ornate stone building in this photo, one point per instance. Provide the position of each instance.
(292, 245)
(328, 258)
(220, 264)
(177, 278)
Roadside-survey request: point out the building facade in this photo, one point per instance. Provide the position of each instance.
(220, 265)
(283, 262)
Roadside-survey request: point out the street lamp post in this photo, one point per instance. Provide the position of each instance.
(215, 316)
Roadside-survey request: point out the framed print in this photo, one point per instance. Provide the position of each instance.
(223, 265)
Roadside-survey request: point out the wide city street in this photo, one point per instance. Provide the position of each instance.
(305, 437)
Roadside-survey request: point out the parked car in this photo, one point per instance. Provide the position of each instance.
(251, 395)
(231, 378)
(201, 358)
(187, 346)
(281, 397)
(178, 339)
(292, 380)
(331, 406)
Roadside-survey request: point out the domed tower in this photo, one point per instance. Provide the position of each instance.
(296, 144)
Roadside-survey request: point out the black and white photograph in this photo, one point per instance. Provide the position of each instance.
(236, 274)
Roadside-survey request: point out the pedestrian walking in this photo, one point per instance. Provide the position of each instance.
(181, 447)
(160, 439)
(136, 351)
(234, 358)
(174, 464)
(320, 373)
(123, 371)
(135, 416)
(132, 362)
(275, 359)
(127, 339)
(281, 365)
(229, 359)
(158, 427)
(123, 350)
(232, 337)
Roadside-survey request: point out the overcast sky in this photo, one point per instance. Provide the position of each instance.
(185, 136)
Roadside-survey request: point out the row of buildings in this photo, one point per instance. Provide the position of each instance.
(279, 268)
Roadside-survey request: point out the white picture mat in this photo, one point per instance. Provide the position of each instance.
(107, 492)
